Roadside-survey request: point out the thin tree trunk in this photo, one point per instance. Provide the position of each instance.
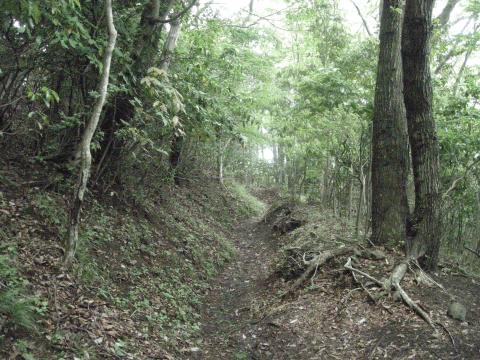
(444, 16)
(275, 164)
(144, 54)
(281, 163)
(221, 156)
(326, 177)
(418, 97)
(359, 12)
(461, 70)
(170, 44)
(350, 195)
(174, 159)
(83, 153)
(360, 201)
(453, 50)
(389, 141)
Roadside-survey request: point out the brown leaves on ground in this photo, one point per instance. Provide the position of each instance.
(332, 317)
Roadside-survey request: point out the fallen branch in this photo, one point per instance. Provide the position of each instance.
(316, 262)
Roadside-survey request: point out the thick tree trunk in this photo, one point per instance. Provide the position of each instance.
(389, 141)
(83, 153)
(421, 130)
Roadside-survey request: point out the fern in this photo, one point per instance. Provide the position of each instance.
(17, 309)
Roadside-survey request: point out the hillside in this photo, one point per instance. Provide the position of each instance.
(196, 179)
(142, 269)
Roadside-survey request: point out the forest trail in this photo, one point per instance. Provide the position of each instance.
(226, 313)
(243, 318)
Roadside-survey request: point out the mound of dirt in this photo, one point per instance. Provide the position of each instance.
(306, 232)
(284, 217)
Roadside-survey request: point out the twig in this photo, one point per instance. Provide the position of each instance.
(455, 182)
(471, 250)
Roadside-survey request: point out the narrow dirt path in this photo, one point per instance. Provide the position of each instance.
(242, 318)
(226, 313)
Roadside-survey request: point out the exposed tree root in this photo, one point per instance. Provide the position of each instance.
(315, 263)
(422, 277)
(471, 250)
(391, 284)
(325, 256)
(349, 266)
(397, 276)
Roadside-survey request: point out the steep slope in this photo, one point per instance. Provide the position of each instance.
(143, 266)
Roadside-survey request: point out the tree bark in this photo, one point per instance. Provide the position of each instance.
(417, 31)
(389, 141)
(83, 153)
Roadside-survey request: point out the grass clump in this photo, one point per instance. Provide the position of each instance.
(248, 205)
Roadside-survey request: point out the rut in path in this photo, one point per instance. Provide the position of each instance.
(226, 311)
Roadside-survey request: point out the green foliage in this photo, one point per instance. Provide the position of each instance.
(247, 204)
(17, 308)
(52, 213)
(25, 349)
(232, 93)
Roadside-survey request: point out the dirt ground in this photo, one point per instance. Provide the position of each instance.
(244, 317)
